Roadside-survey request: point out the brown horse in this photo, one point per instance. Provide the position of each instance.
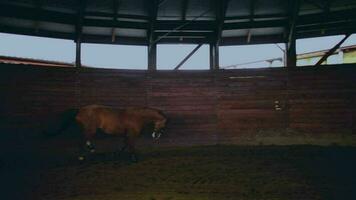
(128, 123)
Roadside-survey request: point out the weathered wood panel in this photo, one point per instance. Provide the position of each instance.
(204, 107)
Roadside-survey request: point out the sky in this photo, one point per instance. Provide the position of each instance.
(168, 56)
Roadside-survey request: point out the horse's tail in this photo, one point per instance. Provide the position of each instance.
(61, 122)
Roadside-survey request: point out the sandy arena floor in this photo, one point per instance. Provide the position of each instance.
(211, 172)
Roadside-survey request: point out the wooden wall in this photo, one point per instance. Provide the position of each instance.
(204, 107)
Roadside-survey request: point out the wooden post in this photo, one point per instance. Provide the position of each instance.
(152, 45)
(184, 9)
(214, 56)
(291, 43)
(115, 10)
(79, 30)
(211, 56)
(152, 57)
(220, 12)
(78, 53)
(291, 53)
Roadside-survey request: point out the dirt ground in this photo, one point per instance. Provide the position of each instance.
(206, 172)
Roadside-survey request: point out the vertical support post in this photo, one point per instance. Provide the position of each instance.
(252, 14)
(221, 7)
(79, 30)
(184, 9)
(38, 7)
(353, 117)
(291, 43)
(78, 52)
(152, 57)
(214, 54)
(211, 56)
(152, 45)
(115, 10)
(291, 53)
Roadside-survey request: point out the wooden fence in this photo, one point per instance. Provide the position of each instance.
(205, 107)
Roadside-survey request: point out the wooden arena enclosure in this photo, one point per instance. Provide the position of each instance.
(204, 107)
(261, 133)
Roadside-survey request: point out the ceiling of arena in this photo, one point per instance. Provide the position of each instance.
(139, 22)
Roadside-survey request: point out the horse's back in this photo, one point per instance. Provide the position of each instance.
(115, 121)
(93, 117)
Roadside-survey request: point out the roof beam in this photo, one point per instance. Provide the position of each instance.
(332, 50)
(111, 15)
(255, 24)
(188, 56)
(186, 24)
(255, 16)
(21, 12)
(255, 40)
(185, 34)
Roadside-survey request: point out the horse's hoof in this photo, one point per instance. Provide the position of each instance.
(81, 158)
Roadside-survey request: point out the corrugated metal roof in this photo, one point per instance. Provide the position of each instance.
(264, 21)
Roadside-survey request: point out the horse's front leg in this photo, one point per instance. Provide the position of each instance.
(123, 148)
(88, 146)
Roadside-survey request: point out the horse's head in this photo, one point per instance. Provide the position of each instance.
(159, 127)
